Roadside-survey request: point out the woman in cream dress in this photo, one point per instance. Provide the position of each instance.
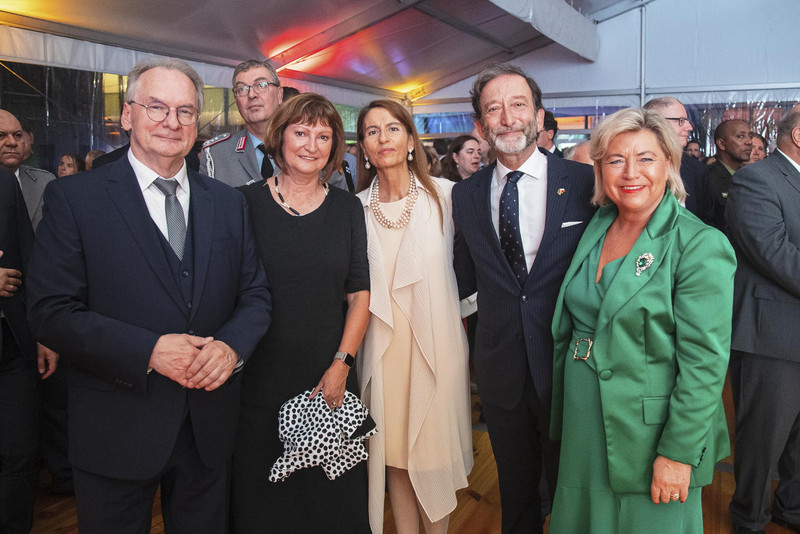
(413, 365)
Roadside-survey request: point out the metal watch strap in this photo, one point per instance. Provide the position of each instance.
(346, 358)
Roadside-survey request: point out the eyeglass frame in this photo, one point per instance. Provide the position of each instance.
(680, 120)
(169, 109)
(245, 89)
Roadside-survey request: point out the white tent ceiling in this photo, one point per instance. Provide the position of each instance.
(398, 48)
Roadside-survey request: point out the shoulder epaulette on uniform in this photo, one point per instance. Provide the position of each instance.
(214, 140)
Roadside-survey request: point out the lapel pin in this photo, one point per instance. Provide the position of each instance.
(643, 262)
(561, 191)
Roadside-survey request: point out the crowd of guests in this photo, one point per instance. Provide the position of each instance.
(280, 357)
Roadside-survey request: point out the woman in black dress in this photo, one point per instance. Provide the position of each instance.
(312, 241)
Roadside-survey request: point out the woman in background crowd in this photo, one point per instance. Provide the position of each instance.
(312, 242)
(463, 158)
(70, 163)
(413, 367)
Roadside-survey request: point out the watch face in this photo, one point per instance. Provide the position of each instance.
(346, 358)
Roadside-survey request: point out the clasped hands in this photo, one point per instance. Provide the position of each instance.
(192, 361)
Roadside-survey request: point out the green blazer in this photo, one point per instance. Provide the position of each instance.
(661, 347)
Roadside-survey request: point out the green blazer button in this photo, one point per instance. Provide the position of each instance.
(605, 374)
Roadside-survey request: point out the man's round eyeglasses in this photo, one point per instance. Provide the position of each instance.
(260, 86)
(187, 115)
(679, 120)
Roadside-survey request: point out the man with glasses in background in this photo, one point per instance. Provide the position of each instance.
(692, 170)
(239, 159)
(145, 277)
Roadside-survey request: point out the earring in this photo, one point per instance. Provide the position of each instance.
(410, 154)
(366, 163)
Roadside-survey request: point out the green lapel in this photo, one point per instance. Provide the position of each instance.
(656, 240)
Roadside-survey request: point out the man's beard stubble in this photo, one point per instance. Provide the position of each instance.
(516, 144)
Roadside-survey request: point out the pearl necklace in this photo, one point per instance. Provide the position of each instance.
(287, 206)
(405, 216)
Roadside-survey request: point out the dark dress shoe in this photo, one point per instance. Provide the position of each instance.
(745, 530)
(785, 524)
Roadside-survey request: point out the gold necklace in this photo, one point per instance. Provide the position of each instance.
(405, 216)
(287, 206)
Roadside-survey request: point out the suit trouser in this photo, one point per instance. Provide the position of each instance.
(20, 415)
(194, 498)
(766, 397)
(54, 429)
(523, 452)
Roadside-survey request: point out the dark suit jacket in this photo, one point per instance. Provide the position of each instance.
(718, 182)
(763, 216)
(513, 333)
(693, 173)
(16, 241)
(102, 292)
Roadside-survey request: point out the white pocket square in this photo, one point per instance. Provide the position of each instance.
(570, 223)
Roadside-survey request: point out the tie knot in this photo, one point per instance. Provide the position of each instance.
(168, 187)
(262, 148)
(514, 176)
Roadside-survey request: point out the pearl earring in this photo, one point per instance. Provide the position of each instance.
(410, 154)
(366, 163)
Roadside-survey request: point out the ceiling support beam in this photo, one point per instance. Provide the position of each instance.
(559, 21)
(375, 14)
(463, 27)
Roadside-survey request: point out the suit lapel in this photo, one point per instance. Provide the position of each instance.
(655, 240)
(31, 190)
(201, 211)
(557, 178)
(124, 190)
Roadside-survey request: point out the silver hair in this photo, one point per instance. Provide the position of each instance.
(165, 63)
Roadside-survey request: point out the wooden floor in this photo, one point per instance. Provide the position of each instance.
(478, 510)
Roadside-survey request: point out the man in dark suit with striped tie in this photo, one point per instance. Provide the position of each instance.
(518, 222)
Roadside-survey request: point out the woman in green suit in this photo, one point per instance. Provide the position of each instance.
(642, 336)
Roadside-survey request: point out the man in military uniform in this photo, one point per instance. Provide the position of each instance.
(237, 159)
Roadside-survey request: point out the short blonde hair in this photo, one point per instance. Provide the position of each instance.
(636, 120)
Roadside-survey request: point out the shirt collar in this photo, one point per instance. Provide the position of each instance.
(146, 176)
(793, 162)
(534, 167)
(253, 139)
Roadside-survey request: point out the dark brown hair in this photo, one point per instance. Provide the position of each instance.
(306, 108)
(449, 166)
(419, 166)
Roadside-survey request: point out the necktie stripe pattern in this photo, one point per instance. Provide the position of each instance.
(176, 224)
(510, 236)
(266, 165)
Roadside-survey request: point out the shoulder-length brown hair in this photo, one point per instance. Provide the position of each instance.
(306, 108)
(419, 166)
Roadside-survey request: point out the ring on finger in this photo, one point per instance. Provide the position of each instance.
(674, 496)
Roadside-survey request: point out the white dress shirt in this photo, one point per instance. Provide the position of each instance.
(532, 188)
(153, 196)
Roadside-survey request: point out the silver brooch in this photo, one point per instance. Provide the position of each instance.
(643, 262)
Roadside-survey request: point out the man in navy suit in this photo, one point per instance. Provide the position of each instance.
(517, 289)
(763, 215)
(145, 278)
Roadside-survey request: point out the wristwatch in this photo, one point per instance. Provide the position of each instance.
(346, 358)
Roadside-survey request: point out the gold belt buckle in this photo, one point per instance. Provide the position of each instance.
(588, 349)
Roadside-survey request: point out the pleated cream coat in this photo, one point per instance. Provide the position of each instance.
(424, 287)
